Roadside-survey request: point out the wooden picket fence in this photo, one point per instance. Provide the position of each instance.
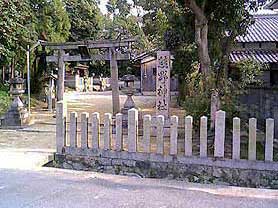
(66, 132)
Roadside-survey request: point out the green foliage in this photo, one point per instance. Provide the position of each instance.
(85, 18)
(198, 89)
(249, 71)
(197, 97)
(5, 99)
(14, 28)
(51, 20)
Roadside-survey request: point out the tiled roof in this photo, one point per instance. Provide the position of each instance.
(265, 29)
(272, 5)
(261, 56)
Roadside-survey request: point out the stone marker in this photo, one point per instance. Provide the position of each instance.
(269, 139)
(163, 83)
(219, 141)
(95, 130)
(252, 139)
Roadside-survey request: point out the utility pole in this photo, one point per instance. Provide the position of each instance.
(28, 79)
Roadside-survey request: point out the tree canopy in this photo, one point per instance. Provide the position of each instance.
(85, 19)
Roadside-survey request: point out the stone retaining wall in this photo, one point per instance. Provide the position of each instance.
(214, 172)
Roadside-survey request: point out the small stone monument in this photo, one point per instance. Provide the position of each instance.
(17, 115)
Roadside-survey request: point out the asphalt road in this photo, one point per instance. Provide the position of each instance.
(53, 188)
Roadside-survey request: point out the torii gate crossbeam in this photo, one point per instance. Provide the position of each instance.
(113, 56)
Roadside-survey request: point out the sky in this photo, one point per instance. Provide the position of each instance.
(103, 9)
(102, 6)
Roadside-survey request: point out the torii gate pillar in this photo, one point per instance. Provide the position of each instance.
(114, 81)
(61, 76)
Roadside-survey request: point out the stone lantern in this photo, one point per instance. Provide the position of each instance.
(17, 87)
(17, 115)
(129, 90)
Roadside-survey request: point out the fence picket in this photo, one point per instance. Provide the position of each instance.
(73, 129)
(160, 134)
(84, 130)
(204, 136)
(252, 139)
(188, 136)
(107, 131)
(269, 139)
(219, 141)
(174, 135)
(147, 133)
(61, 113)
(132, 129)
(236, 139)
(95, 130)
(119, 132)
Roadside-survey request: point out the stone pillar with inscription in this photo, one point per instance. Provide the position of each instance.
(163, 83)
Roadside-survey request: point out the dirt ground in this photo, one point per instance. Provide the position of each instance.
(41, 134)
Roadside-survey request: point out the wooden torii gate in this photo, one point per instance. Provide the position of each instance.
(113, 55)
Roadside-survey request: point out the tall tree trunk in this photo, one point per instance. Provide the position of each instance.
(12, 68)
(3, 74)
(201, 39)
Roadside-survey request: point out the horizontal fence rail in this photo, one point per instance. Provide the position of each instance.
(130, 144)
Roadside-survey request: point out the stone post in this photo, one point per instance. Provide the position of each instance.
(252, 139)
(204, 136)
(219, 142)
(95, 130)
(114, 81)
(107, 131)
(73, 129)
(84, 130)
(147, 133)
(174, 135)
(160, 134)
(269, 139)
(236, 139)
(61, 75)
(188, 136)
(119, 132)
(132, 129)
(61, 113)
